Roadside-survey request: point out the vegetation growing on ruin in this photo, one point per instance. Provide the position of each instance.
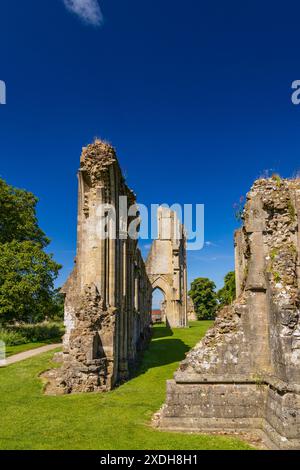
(238, 208)
(292, 250)
(115, 420)
(291, 210)
(274, 253)
(258, 379)
(276, 276)
(278, 180)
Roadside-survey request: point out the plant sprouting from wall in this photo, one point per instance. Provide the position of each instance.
(238, 208)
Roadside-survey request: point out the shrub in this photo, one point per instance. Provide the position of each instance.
(31, 333)
(12, 338)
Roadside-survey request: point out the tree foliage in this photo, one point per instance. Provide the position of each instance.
(27, 272)
(204, 298)
(58, 302)
(227, 294)
(18, 219)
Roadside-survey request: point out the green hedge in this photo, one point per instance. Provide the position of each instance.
(12, 338)
(30, 333)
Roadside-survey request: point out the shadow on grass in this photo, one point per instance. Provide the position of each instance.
(162, 332)
(161, 352)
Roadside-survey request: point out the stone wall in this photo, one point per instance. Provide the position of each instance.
(108, 295)
(166, 267)
(191, 312)
(245, 373)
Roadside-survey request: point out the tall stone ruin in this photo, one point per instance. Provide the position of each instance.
(166, 267)
(245, 373)
(108, 295)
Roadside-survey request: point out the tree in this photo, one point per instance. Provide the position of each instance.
(227, 294)
(204, 298)
(27, 272)
(57, 305)
(18, 219)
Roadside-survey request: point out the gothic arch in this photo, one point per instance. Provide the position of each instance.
(159, 282)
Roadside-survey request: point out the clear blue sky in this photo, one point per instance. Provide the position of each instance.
(194, 95)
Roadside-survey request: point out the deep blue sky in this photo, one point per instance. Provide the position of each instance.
(194, 95)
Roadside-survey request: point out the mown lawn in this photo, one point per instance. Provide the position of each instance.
(116, 420)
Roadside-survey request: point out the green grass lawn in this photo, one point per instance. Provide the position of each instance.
(11, 350)
(116, 420)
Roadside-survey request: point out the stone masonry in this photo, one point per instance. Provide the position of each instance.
(108, 295)
(166, 267)
(191, 312)
(245, 373)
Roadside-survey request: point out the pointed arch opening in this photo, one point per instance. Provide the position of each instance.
(158, 305)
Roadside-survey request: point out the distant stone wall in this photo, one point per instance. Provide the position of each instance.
(166, 267)
(245, 373)
(191, 312)
(108, 295)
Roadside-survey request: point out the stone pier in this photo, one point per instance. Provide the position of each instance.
(108, 295)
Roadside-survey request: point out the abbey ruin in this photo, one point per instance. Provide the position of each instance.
(166, 267)
(108, 296)
(245, 373)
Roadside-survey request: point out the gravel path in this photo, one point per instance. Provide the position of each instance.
(31, 353)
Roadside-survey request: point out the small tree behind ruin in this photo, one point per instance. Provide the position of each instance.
(204, 298)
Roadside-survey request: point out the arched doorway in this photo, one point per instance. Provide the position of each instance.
(166, 266)
(160, 284)
(158, 305)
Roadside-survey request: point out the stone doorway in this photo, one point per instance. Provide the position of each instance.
(158, 305)
(166, 267)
